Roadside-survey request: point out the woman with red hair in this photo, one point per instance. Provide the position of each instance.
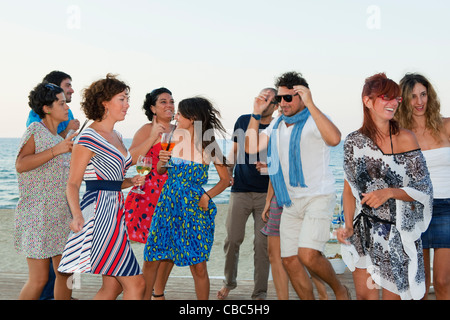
(387, 200)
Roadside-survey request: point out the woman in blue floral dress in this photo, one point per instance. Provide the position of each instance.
(182, 228)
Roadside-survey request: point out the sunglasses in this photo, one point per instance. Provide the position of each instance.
(286, 97)
(52, 87)
(387, 98)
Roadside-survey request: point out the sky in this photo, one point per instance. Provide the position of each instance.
(226, 51)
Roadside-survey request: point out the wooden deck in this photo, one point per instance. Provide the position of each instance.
(178, 288)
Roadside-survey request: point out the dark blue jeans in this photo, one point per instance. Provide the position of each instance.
(47, 293)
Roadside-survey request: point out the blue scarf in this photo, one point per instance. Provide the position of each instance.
(296, 178)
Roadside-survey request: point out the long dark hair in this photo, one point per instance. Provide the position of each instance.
(374, 87)
(201, 110)
(150, 100)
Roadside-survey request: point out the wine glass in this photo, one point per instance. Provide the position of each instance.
(143, 168)
(69, 133)
(167, 144)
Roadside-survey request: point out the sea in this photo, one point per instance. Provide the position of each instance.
(9, 192)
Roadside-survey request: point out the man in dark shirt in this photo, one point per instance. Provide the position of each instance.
(248, 196)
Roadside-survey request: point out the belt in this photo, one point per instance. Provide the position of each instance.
(367, 220)
(108, 185)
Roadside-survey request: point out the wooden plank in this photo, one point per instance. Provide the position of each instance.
(178, 288)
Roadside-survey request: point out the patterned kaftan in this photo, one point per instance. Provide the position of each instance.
(386, 240)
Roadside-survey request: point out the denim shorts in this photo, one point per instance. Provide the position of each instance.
(438, 232)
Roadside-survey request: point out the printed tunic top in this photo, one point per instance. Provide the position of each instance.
(386, 240)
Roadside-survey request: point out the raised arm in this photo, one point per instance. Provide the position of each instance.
(28, 160)
(329, 132)
(254, 141)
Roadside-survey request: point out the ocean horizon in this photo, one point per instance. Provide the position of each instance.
(9, 194)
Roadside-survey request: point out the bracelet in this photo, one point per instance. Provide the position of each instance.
(51, 149)
(256, 116)
(208, 195)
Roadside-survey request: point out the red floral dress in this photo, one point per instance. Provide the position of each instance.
(139, 208)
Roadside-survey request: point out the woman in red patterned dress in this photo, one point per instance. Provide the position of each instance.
(159, 109)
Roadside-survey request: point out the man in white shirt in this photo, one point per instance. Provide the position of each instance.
(298, 144)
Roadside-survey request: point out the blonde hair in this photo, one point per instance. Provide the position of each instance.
(404, 114)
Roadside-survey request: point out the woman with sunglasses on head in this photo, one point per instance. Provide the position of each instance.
(42, 214)
(420, 113)
(99, 243)
(139, 208)
(387, 200)
(182, 228)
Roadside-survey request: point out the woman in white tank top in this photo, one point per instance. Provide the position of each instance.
(420, 112)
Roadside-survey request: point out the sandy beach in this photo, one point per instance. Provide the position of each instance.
(12, 262)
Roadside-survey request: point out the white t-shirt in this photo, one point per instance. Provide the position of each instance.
(315, 155)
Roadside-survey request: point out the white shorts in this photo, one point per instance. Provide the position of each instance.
(306, 224)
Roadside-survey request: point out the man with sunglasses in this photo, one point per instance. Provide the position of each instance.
(298, 147)
(248, 197)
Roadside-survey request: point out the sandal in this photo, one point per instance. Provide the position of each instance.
(157, 296)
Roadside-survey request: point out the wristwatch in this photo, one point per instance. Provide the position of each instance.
(256, 116)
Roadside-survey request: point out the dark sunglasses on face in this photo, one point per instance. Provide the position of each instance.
(286, 97)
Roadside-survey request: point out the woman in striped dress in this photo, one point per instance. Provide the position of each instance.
(99, 243)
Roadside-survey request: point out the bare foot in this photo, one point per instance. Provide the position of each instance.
(223, 293)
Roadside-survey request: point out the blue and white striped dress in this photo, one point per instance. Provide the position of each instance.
(102, 246)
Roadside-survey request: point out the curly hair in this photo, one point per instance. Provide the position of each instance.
(44, 94)
(433, 116)
(150, 100)
(291, 79)
(374, 87)
(98, 92)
